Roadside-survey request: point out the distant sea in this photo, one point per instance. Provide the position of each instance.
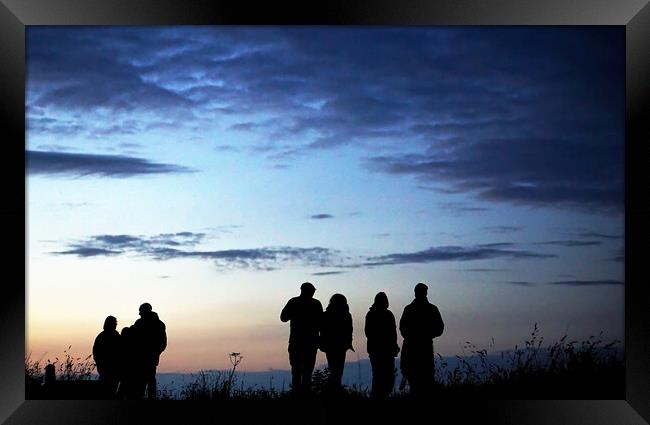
(356, 374)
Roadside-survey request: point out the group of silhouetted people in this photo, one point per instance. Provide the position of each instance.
(311, 329)
(126, 362)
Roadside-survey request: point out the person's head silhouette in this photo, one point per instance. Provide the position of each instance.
(50, 373)
(110, 324)
(421, 291)
(307, 290)
(381, 301)
(145, 309)
(338, 302)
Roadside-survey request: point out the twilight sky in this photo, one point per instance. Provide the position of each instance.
(211, 170)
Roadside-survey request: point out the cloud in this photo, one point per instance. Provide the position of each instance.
(81, 165)
(598, 235)
(521, 283)
(457, 253)
(484, 270)
(461, 207)
(54, 147)
(479, 169)
(503, 229)
(225, 229)
(180, 245)
(88, 251)
(169, 246)
(321, 216)
(588, 282)
(570, 243)
(542, 128)
(101, 245)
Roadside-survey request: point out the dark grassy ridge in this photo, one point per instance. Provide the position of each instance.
(565, 369)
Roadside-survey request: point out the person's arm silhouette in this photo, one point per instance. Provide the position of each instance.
(163, 337)
(98, 352)
(439, 325)
(405, 323)
(393, 334)
(287, 311)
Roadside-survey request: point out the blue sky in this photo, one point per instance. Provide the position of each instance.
(211, 170)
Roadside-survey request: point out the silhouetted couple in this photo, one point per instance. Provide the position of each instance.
(310, 329)
(420, 323)
(132, 357)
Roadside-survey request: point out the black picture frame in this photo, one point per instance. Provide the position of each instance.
(15, 15)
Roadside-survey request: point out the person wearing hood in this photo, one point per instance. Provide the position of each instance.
(381, 332)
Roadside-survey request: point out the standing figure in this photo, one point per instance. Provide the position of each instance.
(106, 353)
(304, 312)
(150, 340)
(128, 367)
(420, 323)
(381, 332)
(336, 338)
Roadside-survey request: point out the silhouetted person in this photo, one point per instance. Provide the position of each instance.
(381, 331)
(420, 323)
(129, 379)
(50, 374)
(106, 353)
(48, 389)
(336, 338)
(150, 340)
(304, 312)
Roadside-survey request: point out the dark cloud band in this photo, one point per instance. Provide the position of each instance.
(457, 253)
(169, 246)
(80, 165)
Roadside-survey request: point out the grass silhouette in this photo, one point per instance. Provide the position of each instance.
(565, 369)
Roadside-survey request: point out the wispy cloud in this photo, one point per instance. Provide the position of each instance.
(330, 273)
(101, 245)
(80, 165)
(596, 235)
(457, 253)
(321, 216)
(169, 246)
(484, 270)
(503, 229)
(88, 251)
(569, 243)
(461, 207)
(588, 282)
